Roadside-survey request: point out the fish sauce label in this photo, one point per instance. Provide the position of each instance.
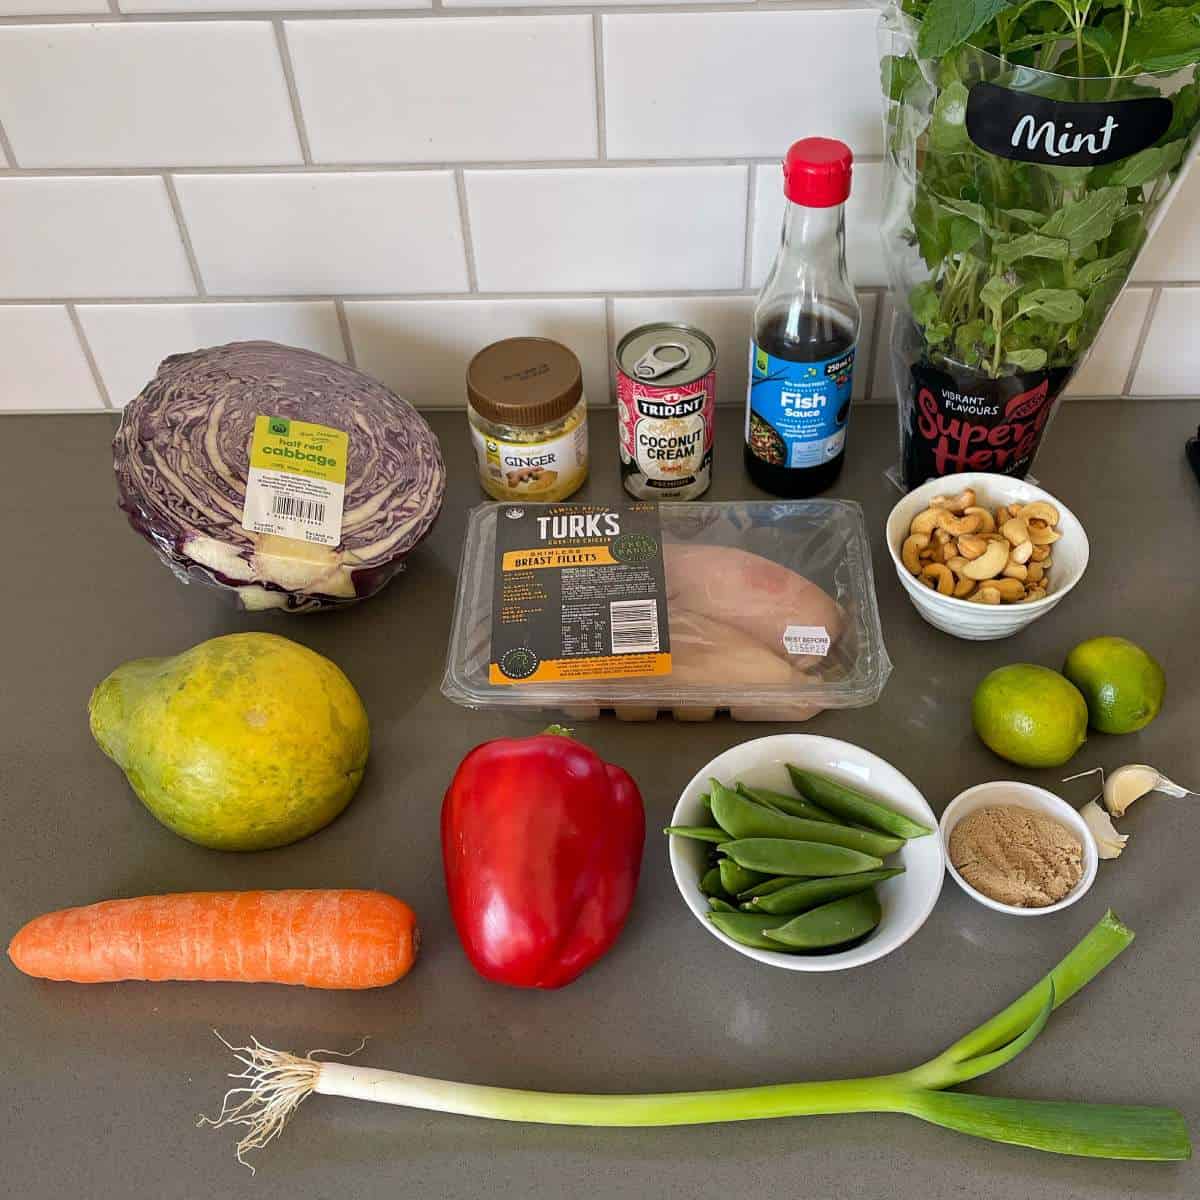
(296, 485)
(797, 411)
(579, 594)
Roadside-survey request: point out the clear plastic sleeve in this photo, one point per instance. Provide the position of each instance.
(735, 645)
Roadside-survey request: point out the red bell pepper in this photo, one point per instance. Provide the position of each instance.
(542, 845)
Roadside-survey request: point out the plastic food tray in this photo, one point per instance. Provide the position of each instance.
(823, 540)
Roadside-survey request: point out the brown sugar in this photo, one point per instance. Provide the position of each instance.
(1016, 855)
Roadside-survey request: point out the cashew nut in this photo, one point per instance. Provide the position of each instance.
(964, 587)
(941, 536)
(1001, 515)
(1036, 593)
(957, 563)
(1040, 534)
(990, 563)
(985, 595)
(986, 523)
(1034, 572)
(1041, 554)
(1010, 590)
(955, 504)
(1015, 530)
(971, 546)
(1022, 553)
(938, 575)
(913, 545)
(1015, 570)
(1040, 510)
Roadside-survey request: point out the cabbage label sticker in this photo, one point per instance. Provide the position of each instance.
(297, 481)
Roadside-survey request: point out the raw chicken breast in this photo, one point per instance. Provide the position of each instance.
(708, 653)
(754, 595)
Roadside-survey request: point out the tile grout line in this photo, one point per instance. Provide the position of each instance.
(93, 365)
(1143, 337)
(184, 236)
(610, 344)
(748, 244)
(339, 307)
(289, 79)
(7, 148)
(464, 218)
(601, 102)
(399, 168)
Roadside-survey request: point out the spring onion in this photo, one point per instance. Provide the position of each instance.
(277, 1082)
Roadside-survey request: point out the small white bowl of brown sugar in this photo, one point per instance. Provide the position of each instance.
(1018, 848)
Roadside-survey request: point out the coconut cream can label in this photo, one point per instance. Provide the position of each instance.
(666, 405)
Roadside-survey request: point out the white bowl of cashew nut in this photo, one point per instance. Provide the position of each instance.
(981, 556)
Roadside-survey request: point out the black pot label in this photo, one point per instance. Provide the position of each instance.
(1062, 133)
(968, 422)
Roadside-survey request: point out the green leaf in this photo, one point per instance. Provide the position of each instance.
(923, 301)
(937, 333)
(1031, 245)
(1165, 40)
(994, 293)
(1092, 273)
(1088, 220)
(1185, 112)
(949, 23)
(1060, 306)
(1026, 360)
(898, 74)
(1026, 216)
(948, 126)
(1140, 168)
(964, 233)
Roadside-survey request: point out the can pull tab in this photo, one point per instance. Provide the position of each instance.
(651, 366)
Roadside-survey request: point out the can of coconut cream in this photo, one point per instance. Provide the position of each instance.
(666, 405)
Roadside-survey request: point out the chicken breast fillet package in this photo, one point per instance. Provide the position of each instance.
(762, 609)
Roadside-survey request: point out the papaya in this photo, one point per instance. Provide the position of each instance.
(244, 742)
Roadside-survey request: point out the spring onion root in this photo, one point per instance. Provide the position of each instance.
(277, 1083)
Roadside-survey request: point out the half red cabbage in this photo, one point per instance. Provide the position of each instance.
(181, 457)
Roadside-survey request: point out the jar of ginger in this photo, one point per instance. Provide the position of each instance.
(528, 418)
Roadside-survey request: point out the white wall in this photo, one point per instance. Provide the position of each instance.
(398, 182)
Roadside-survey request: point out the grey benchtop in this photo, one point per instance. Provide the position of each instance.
(102, 1084)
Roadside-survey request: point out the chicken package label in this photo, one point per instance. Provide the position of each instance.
(296, 486)
(580, 593)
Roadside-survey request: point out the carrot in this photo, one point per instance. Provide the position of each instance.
(321, 939)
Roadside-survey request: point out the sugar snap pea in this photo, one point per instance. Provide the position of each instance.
(702, 833)
(808, 893)
(748, 928)
(743, 818)
(735, 879)
(831, 924)
(782, 856)
(852, 805)
(710, 883)
(798, 806)
(718, 905)
(773, 883)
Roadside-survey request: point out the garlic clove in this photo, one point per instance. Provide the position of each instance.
(1127, 784)
(1109, 843)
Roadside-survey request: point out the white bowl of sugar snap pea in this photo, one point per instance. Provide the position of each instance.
(906, 900)
(965, 618)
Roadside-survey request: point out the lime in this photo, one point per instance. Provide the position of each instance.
(1122, 684)
(1030, 715)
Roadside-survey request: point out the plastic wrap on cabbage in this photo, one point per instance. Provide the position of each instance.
(181, 457)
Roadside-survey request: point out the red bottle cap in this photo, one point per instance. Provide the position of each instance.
(816, 172)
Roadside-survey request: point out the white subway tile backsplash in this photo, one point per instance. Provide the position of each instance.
(226, 6)
(1173, 254)
(131, 95)
(1107, 367)
(743, 83)
(727, 320)
(421, 348)
(558, 3)
(864, 211)
(657, 228)
(353, 232)
(128, 341)
(1170, 362)
(42, 365)
(41, 8)
(444, 89)
(89, 237)
(883, 382)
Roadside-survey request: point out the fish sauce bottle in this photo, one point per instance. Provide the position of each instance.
(806, 324)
